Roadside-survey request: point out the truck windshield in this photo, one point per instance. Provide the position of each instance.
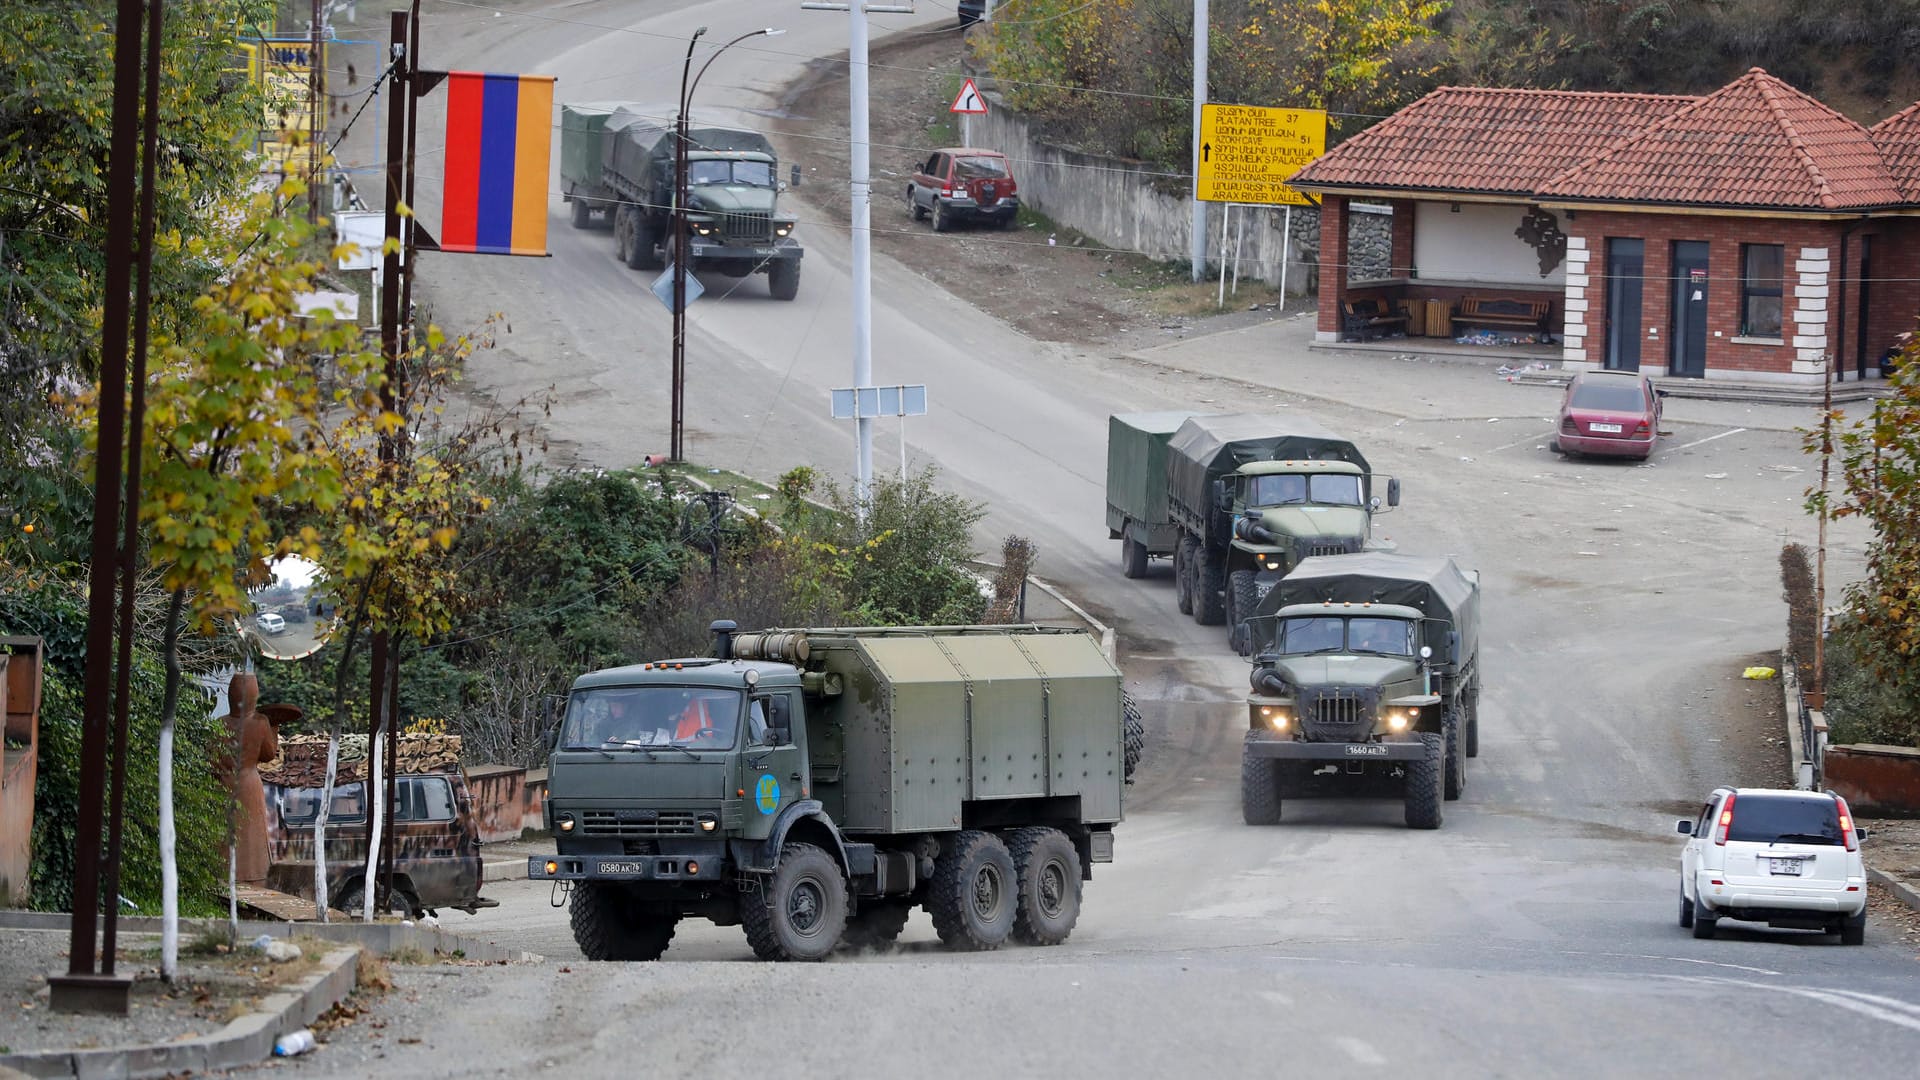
(1326, 633)
(1292, 489)
(631, 717)
(752, 173)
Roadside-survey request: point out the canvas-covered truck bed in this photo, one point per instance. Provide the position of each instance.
(1137, 486)
(1433, 585)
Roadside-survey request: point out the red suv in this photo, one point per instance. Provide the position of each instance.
(964, 184)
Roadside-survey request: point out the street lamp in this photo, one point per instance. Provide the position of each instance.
(675, 446)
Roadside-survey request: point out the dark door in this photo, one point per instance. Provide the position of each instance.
(1626, 260)
(1689, 344)
(1860, 360)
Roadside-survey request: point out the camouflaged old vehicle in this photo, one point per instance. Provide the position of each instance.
(436, 835)
(1366, 681)
(813, 786)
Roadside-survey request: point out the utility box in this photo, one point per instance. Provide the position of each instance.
(22, 660)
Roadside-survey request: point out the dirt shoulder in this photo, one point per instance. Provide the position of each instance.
(1070, 290)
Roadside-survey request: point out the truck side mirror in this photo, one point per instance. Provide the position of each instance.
(1220, 498)
(775, 737)
(551, 708)
(1393, 491)
(1453, 646)
(794, 174)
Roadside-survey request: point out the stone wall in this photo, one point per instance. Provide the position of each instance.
(1117, 203)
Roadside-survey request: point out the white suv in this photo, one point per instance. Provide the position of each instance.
(1785, 858)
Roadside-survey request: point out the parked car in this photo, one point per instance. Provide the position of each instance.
(1609, 414)
(270, 623)
(964, 184)
(1786, 858)
(436, 842)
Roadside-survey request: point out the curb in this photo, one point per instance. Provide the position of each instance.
(1907, 894)
(383, 938)
(246, 1041)
(503, 870)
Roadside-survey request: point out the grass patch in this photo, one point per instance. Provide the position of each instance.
(411, 955)
(371, 972)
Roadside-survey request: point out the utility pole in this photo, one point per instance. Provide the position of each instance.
(860, 187)
(315, 125)
(677, 244)
(1197, 237)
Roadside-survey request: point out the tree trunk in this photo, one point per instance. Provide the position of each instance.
(379, 792)
(169, 866)
(340, 679)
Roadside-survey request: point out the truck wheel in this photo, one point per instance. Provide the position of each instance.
(1047, 872)
(801, 909)
(1242, 598)
(622, 232)
(1259, 789)
(609, 925)
(1424, 784)
(1455, 780)
(971, 896)
(783, 278)
(1183, 575)
(913, 206)
(1133, 558)
(876, 924)
(640, 254)
(1473, 722)
(1134, 737)
(1210, 587)
(582, 213)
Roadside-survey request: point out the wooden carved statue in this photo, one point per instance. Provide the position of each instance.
(252, 729)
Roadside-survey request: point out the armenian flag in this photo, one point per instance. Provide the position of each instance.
(499, 135)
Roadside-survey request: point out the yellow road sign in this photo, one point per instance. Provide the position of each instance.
(1248, 152)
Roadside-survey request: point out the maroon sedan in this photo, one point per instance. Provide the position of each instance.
(1610, 414)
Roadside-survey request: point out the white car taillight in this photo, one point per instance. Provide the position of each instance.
(1726, 822)
(1846, 826)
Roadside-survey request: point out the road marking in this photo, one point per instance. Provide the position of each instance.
(1359, 1050)
(1710, 438)
(1887, 1010)
(1675, 959)
(1518, 442)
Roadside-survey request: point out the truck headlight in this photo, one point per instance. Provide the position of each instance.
(702, 228)
(708, 823)
(1275, 717)
(1398, 721)
(783, 228)
(565, 823)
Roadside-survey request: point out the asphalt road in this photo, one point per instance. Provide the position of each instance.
(1533, 935)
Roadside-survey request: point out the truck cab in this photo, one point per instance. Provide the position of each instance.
(1343, 674)
(732, 219)
(1286, 511)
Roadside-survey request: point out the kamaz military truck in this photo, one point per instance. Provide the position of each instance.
(1366, 681)
(617, 161)
(812, 786)
(1237, 501)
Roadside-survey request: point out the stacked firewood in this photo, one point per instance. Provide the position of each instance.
(302, 762)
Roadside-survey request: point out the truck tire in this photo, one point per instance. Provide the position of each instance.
(1134, 736)
(1455, 774)
(972, 894)
(1046, 871)
(1424, 784)
(622, 231)
(1242, 598)
(783, 278)
(1473, 721)
(640, 255)
(801, 909)
(609, 925)
(1183, 575)
(582, 213)
(876, 925)
(1259, 789)
(1133, 558)
(1210, 589)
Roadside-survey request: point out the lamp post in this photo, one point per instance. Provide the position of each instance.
(679, 239)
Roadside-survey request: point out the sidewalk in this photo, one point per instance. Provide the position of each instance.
(1398, 380)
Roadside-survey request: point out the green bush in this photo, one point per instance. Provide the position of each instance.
(53, 608)
(1864, 706)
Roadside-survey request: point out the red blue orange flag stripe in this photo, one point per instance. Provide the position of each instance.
(499, 136)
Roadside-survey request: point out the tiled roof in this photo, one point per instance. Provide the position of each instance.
(1756, 142)
(1471, 139)
(1898, 137)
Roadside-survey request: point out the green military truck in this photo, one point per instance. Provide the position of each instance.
(813, 786)
(617, 162)
(1237, 501)
(1366, 682)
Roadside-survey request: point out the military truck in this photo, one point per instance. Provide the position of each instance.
(1366, 681)
(617, 163)
(1237, 501)
(813, 786)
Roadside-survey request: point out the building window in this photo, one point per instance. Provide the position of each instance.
(1761, 267)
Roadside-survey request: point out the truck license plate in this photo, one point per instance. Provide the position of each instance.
(1787, 867)
(1610, 429)
(1366, 750)
(623, 868)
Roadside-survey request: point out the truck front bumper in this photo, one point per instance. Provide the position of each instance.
(705, 248)
(682, 867)
(1331, 751)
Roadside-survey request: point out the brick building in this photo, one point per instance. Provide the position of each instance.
(1749, 234)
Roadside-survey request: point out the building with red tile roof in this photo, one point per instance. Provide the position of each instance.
(1749, 234)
